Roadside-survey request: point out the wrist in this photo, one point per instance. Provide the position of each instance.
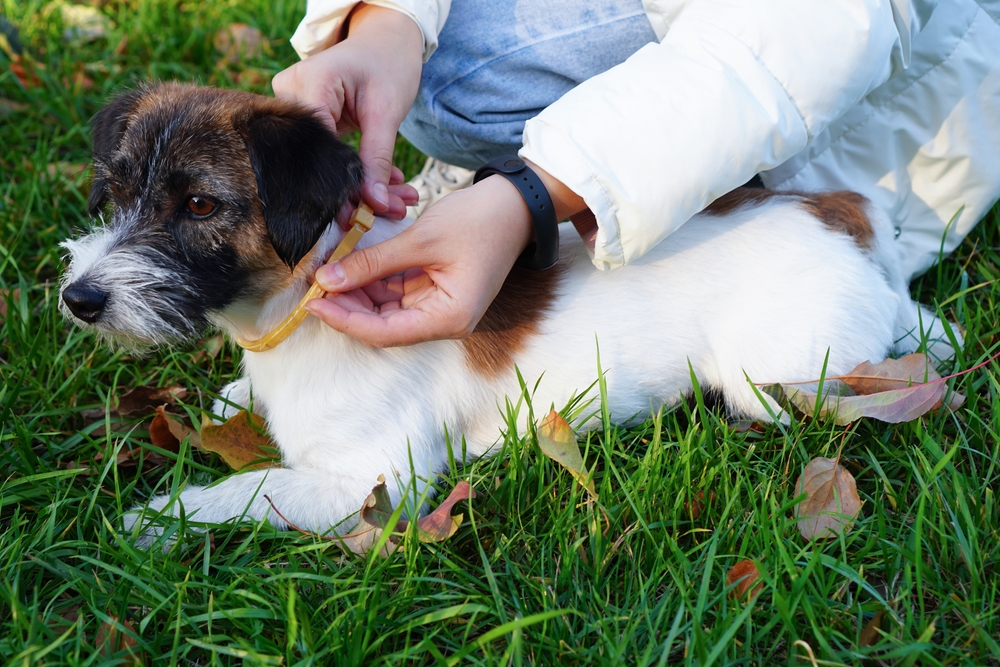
(567, 203)
(499, 196)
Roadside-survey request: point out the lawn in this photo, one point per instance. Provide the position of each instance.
(536, 574)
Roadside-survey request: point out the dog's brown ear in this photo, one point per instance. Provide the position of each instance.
(107, 128)
(304, 175)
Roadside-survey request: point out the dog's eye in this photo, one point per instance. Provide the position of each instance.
(200, 207)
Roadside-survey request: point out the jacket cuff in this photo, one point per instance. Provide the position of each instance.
(324, 19)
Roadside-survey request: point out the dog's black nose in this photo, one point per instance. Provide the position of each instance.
(85, 301)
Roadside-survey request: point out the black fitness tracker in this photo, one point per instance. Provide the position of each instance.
(543, 252)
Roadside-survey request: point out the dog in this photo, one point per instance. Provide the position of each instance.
(216, 210)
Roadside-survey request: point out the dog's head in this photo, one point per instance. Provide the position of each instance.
(209, 199)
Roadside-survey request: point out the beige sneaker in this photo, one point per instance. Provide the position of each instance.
(436, 180)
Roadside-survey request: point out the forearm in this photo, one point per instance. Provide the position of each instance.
(727, 94)
(324, 21)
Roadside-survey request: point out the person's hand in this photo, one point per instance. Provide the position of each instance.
(435, 279)
(368, 82)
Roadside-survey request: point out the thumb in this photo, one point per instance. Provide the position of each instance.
(365, 266)
(377, 144)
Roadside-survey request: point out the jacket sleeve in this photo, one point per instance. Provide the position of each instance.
(321, 26)
(733, 88)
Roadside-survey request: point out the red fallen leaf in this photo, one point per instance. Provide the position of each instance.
(557, 440)
(832, 502)
(242, 441)
(144, 400)
(893, 391)
(744, 575)
(111, 639)
(162, 435)
(376, 513)
(239, 41)
(440, 524)
(697, 504)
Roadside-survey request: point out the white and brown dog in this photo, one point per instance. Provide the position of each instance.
(218, 209)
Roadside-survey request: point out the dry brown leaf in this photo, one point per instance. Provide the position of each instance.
(143, 399)
(167, 432)
(557, 440)
(870, 634)
(239, 41)
(376, 513)
(242, 441)
(832, 502)
(892, 391)
(869, 378)
(742, 577)
(111, 640)
(440, 524)
(696, 505)
(373, 519)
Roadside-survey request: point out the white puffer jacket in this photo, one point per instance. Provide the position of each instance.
(896, 99)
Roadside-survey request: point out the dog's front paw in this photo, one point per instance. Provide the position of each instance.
(235, 396)
(151, 520)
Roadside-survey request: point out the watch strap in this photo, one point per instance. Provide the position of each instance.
(543, 251)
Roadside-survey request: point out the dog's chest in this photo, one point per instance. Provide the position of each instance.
(326, 396)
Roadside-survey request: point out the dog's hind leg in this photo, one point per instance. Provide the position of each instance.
(313, 500)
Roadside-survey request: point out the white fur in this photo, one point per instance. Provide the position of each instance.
(132, 316)
(765, 293)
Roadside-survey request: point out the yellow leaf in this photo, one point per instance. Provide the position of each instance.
(242, 441)
(557, 440)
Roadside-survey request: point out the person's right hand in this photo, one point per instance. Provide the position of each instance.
(368, 82)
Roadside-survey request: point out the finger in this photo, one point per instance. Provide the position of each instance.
(367, 265)
(396, 177)
(396, 327)
(397, 208)
(377, 142)
(384, 291)
(406, 192)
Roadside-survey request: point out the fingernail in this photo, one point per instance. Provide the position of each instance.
(330, 276)
(381, 194)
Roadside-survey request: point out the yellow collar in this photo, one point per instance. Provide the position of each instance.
(361, 221)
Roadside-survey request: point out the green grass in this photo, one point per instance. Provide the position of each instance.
(536, 575)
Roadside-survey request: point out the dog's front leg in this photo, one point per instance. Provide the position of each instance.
(312, 500)
(236, 396)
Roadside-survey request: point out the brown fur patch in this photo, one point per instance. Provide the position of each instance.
(841, 211)
(511, 319)
(738, 198)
